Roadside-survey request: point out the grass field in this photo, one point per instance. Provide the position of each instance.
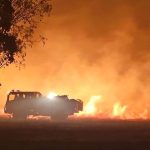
(74, 135)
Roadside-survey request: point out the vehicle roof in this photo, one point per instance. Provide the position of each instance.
(24, 92)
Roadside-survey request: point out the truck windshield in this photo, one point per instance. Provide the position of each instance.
(11, 97)
(23, 96)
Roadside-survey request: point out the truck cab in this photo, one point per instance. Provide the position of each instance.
(21, 104)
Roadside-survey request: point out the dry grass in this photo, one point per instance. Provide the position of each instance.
(74, 135)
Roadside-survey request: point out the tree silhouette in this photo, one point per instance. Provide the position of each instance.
(18, 22)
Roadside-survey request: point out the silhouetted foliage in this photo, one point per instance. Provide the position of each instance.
(18, 21)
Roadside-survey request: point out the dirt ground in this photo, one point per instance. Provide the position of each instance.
(74, 135)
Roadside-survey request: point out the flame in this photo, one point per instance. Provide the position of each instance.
(90, 107)
(118, 110)
(94, 108)
(144, 115)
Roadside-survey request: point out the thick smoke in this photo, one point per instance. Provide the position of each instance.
(94, 47)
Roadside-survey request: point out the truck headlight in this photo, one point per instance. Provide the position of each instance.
(51, 95)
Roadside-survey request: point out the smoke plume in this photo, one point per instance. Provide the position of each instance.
(93, 47)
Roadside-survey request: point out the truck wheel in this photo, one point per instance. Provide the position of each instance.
(17, 116)
(59, 117)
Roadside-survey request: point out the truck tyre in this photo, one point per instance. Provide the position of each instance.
(17, 116)
(59, 117)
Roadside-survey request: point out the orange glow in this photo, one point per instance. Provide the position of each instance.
(96, 48)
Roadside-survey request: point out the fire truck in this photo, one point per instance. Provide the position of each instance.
(21, 104)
